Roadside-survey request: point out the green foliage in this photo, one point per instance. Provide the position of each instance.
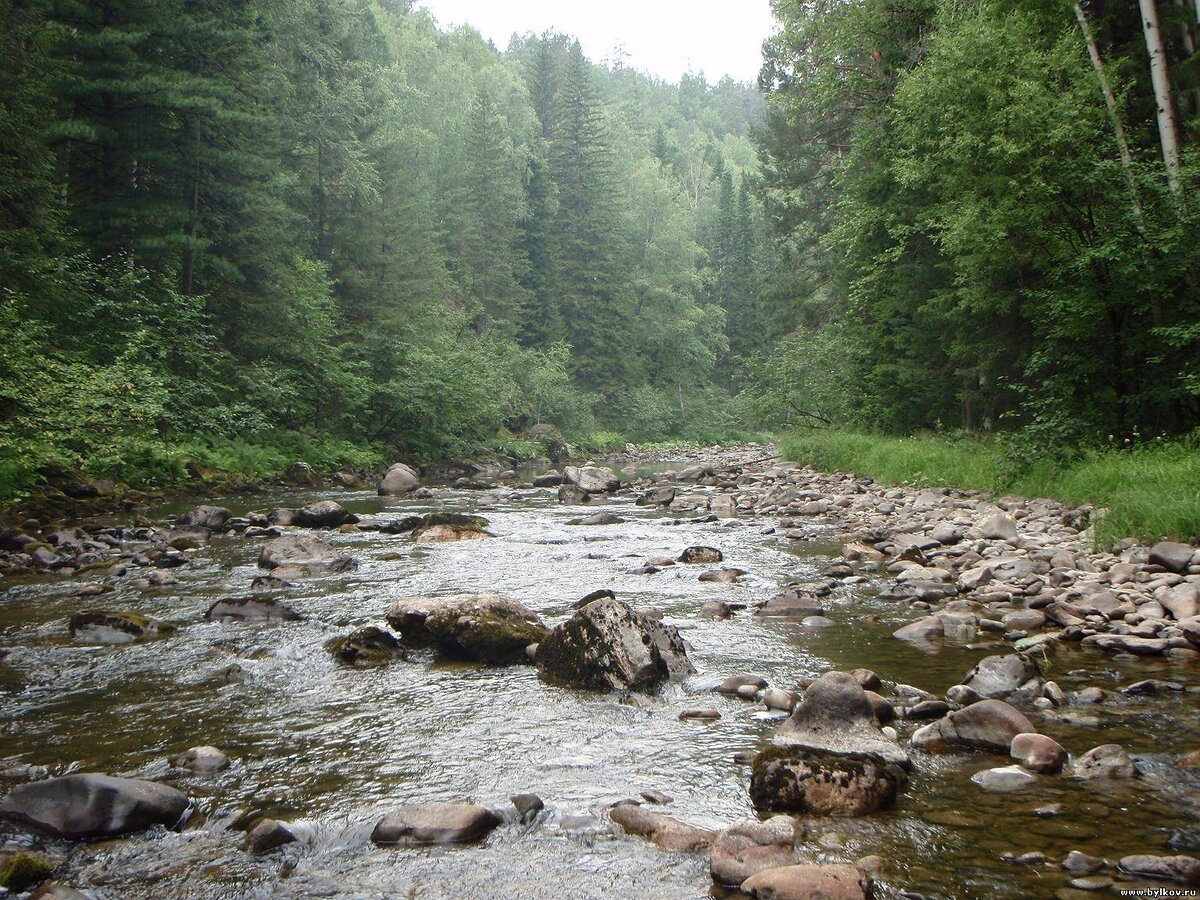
(235, 235)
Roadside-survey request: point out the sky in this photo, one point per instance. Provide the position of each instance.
(663, 37)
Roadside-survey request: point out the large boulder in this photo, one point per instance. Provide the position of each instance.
(999, 676)
(491, 628)
(986, 725)
(809, 882)
(593, 479)
(608, 646)
(435, 823)
(325, 514)
(305, 554)
(665, 831)
(399, 480)
(750, 846)
(830, 757)
(214, 518)
(91, 805)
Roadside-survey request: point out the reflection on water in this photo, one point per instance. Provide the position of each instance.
(337, 746)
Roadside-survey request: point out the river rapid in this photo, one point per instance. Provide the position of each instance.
(313, 739)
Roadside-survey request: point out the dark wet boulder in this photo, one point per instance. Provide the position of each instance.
(986, 725)
(601, 594)
(490, 628)
(706, 555)
(664, 830)
(306, 554)
(734, 683)
(214, 518)
(252, 609)
(399, 480)
(366, 646)
(572, 494)
(548, 479)
(830, 757)
(1176, 869)
(325, 514)
(809, 882)
(608, 646)
(435, 823)
(108, 626)
(995, 677)
(91, 805)
(750, 846)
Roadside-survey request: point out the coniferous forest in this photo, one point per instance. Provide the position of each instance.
(237, 234)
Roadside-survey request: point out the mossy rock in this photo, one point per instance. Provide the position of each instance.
(800, 780)
(368, 646)
(495, 636)
(108, 626)
(24, 871)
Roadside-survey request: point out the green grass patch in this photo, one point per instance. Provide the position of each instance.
(1151, 491)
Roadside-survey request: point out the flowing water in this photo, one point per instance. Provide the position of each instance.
(338, 746)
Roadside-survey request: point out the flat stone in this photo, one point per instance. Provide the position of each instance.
(809, 882)
(435, 823)
(90, 805)
(664, 830)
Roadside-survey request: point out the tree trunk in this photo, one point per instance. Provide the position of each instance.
(1168, 126)
(1114, 114)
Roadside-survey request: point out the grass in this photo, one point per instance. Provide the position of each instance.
(1150, 492)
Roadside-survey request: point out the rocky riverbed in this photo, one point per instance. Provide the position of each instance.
(690, 675)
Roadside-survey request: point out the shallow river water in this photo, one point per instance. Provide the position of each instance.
(337, 746)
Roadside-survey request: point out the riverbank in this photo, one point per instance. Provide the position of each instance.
(296, 631)
(1149, 492)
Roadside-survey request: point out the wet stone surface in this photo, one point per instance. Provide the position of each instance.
(338, 747)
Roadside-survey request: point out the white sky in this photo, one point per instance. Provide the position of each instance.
(664, 37)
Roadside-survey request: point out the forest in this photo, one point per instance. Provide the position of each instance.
(233, 235)
(238, 234)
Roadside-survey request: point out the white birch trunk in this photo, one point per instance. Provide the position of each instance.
(1168, 128)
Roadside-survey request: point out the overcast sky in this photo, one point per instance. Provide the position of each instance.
(663, 37)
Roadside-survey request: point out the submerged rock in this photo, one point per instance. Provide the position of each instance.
(201, 759)
(608, 646)
(665, 831)
(367, 646)
(435, 823)
(91, 805)
(269, 834)
(809, 882)
(107, 626)
(986, 725)
(490, 628)
(306, 554)
(254, 609)
(1105, 761)
(22, 871)
(830, 757)
(1178, 869)
(750, 846)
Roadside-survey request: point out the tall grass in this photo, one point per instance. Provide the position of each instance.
(1150, 492)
